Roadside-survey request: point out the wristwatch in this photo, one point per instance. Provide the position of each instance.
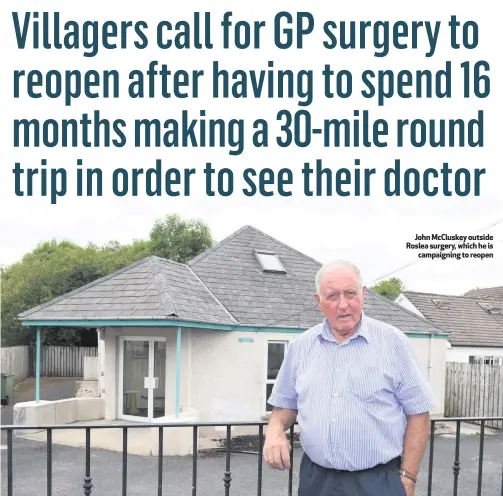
(404, 473)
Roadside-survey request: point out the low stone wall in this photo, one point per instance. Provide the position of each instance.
(57, 412)
(141, 441)
(86, 389)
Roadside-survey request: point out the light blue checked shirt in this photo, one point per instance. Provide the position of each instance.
(352, 398)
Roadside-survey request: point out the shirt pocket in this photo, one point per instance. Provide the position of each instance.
(367, 383)
(309, 387)
(302, 387)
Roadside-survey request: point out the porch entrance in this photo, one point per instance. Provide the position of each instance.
(142, 389)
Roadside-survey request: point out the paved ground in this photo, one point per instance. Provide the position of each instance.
(30, 469)
(51, 388)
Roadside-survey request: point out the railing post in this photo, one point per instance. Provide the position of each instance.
(481, 457)
(456, 467)
(290, 472)
(10, 489)
(159, 467)
(49, 462)
(430, 461)
(260, 458)
(124, 461)
(227, 473)
(195, 435)
(88, 487)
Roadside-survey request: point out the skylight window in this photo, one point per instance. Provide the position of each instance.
(270, 262)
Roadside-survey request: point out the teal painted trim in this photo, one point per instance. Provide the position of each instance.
(246, 340)
(157, 323)
(193, 325)
(37, 368)
(426, 336)
(178, 363)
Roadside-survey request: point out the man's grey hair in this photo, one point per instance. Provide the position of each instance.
(338, 264)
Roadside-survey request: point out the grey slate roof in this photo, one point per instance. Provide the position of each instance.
(223, 285)
(491, 293)
(231, 272)
(469, 320)
(150, 288)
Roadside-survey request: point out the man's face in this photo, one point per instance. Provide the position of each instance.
(340, 299)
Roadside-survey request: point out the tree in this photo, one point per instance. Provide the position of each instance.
(55, 268)
(389, 288)
(179, 240)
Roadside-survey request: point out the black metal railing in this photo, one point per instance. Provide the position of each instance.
(457, 464)
(227, 476)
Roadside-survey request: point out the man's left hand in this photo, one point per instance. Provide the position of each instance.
(409, 486)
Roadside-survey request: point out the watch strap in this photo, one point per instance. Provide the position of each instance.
(404, 473)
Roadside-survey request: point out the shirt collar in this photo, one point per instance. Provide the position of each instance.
(361, 330)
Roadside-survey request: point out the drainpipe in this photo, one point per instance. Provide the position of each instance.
(429, 355)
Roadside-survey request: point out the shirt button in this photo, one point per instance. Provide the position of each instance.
(336, 394)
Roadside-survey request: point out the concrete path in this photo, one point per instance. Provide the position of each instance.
(68, 467)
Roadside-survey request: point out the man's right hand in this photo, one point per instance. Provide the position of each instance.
(277, 451)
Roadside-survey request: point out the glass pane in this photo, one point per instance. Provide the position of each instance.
(270, 262)
(275, 355)
(134, 372)
(160, 373)
(268, 394)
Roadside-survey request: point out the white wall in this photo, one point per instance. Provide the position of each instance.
(433, 365)
(225, 379)
(461, 354)
(101, 362)
(91, 368)
(15, 360)
(229, 377)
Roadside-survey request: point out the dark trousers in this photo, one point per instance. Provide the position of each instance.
(382, 480)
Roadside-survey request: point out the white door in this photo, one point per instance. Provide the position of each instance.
(142, 372)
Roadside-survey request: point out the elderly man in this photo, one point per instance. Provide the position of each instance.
(360, 398)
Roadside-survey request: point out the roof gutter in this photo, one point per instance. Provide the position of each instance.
(162, 322)
(156, 322)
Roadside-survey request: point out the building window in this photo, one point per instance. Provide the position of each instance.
(275, 354)
(270, 262)
(486, 360)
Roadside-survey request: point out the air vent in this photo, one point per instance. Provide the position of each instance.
(492, 309)
(442, 304)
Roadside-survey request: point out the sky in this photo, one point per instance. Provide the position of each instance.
(371, 231)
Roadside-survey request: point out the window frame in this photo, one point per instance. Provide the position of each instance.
(286, 343)
(481, 359)
(282, 270)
